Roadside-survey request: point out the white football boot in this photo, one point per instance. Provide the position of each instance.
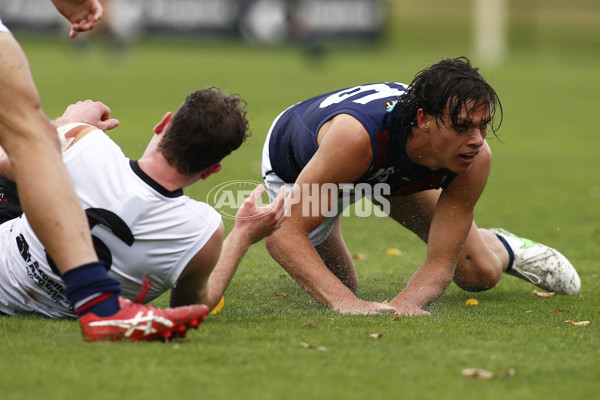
(541, 265)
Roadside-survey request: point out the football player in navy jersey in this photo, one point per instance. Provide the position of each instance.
(418, 151)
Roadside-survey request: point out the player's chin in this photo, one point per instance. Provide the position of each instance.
(462, 164)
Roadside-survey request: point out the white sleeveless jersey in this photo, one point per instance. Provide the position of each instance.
(138, 227)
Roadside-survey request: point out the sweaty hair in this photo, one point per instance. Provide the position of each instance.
(452, 82)
(207, 127)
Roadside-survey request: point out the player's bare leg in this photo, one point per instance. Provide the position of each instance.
(337, 258)
(483, 258)
(414, 211)
(482, 261)
(45, 190)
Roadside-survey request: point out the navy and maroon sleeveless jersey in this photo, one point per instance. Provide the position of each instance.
(293, 139)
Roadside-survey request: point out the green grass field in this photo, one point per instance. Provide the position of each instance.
(272, 341)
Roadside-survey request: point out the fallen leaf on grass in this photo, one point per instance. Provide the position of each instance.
(393, 252)
(471, 302)
(376, 335)
(359, 256)
(479, 373)
(580, 323)
(542, 294)
(281, 295)
(312, 346)
(308, 324)
(559, 310)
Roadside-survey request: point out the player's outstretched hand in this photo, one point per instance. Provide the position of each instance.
(82, 14)
(359, 306)
(89, 112)
(259, 222)
(410, 310)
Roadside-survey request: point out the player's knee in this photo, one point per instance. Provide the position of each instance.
(476, 278)
(474, 286)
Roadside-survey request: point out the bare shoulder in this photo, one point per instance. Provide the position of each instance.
(345, 135)
(343, 126)
(344, 152)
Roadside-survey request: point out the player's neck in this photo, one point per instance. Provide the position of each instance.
(420, 151)
(157, 168)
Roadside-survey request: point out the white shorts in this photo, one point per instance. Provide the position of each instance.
(273, 183)
(3, 28)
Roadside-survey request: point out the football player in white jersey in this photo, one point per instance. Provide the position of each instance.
(141, 222)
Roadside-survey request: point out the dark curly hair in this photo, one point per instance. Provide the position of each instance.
(208, 126)
(453, 82)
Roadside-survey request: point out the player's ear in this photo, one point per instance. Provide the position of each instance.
(422, 120)
(160, 127)
(208, 171)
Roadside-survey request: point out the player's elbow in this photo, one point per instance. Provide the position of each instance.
(272, 243)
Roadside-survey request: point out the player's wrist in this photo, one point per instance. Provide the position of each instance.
(240, 238)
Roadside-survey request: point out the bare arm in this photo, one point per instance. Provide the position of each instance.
(344, 155)
(82, 14)
(252, 224)
(452, 220)
(5, 167)
(207, 276)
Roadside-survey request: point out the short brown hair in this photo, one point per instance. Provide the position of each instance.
(452, 83)
(208, 126)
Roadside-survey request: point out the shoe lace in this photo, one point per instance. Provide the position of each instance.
(146, 286)
(531, 277)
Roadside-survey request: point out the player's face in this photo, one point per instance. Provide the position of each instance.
(457, 146)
